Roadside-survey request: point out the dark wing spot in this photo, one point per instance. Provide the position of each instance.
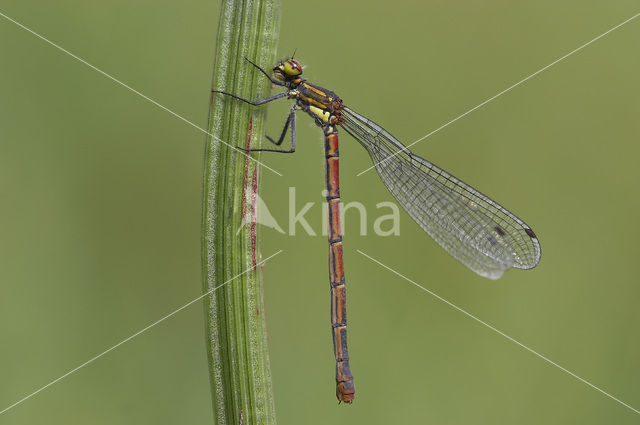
(531, 234)
(500, 231)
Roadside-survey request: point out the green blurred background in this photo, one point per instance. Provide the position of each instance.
(101, 195)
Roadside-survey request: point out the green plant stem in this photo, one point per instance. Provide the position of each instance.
(239, 368)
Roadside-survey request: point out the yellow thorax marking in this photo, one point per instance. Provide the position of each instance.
(320, 113)
(313, 89)
(311, 100)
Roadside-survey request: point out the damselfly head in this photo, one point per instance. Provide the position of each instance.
(287, 70)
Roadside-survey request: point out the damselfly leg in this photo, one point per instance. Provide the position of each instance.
(291, 121)
(273, 80)
(250, 102)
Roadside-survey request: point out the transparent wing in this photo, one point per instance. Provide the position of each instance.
(470, 226)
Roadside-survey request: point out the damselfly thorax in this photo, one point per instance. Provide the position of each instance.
(323, 105)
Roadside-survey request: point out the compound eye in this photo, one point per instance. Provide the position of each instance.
(292, 68)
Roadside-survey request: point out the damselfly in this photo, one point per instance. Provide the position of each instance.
(470, 226)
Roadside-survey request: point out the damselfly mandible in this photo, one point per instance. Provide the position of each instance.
(477, 231)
